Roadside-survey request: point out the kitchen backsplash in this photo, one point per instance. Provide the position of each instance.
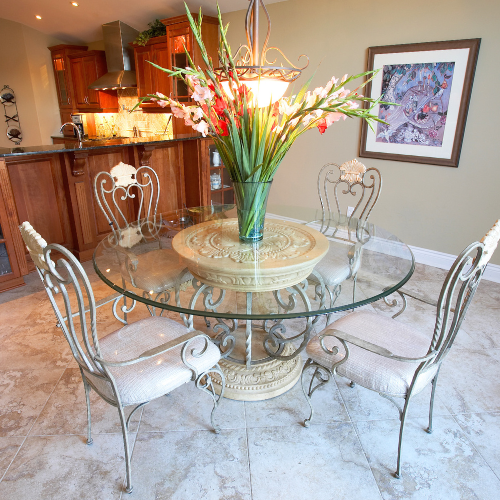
(123, 122)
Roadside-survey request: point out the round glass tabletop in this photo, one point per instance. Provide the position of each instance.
(192, 262)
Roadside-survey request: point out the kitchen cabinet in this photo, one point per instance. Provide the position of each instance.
(168, 51)
(86, 68)
(10, 272)
(64, 84)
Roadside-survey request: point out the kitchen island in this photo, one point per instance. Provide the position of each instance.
(52, 187)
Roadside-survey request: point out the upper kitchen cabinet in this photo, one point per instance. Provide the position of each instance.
(62, 72)
(168, 51)
(64, 85)
(86, 68)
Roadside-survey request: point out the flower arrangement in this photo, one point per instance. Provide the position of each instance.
(253, 137)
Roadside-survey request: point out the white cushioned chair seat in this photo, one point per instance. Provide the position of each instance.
(157, 270)
(154, 377)
(371, 370)
(332, 269)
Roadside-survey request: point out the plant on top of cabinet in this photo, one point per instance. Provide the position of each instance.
(156, 28)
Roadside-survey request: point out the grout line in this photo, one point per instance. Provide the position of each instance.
(32, 425)
(248, 451)
(355, 428)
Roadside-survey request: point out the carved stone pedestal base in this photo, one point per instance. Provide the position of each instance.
(264, 380)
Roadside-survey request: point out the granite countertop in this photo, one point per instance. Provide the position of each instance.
(88, 145)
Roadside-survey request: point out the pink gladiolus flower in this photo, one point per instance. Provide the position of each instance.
(162, 103)
(159, 94)
(198, 114)
(189, 122)
(202, 93)
(333, 117)
(201, 127)
(178, 111)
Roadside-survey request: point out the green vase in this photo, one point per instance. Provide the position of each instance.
(251, 203)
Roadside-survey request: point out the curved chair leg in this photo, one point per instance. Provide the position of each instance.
(318, 369)
(431, 406)
(123, 422)
(397, 474)
(89, 418)
(204, 383)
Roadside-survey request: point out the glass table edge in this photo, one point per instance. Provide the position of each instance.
(291, 315)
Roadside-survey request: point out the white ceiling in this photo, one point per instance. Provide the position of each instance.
(83, 23)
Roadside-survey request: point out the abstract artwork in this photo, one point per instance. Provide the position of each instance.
(427, 86)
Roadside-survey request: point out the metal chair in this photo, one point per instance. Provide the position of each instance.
(160, 268)
(133, 365)
(391, 358)
(351, 179)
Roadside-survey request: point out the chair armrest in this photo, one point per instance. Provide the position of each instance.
(408, 293)
(368, 346)
(161, 349)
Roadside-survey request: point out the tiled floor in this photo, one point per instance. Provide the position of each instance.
(263, 451)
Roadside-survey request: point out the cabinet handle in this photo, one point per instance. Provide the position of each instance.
(69, 100)
(86, 100)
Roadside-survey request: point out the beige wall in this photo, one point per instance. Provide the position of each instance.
(428, 206)
(25, 65)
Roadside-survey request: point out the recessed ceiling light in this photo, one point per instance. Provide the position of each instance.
(74, 4)
(38, 17)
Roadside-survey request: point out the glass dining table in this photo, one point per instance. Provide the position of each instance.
(260, 302)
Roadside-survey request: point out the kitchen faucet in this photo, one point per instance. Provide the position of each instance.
(78, 132)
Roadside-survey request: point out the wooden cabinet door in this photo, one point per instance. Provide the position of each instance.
(91, 75)
(179, 39)
(63, 84)
(79, 82)
(144, 70)
(161, 80)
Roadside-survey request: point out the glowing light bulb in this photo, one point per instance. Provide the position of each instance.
(38, 17)
(264, 91)
(74, 4)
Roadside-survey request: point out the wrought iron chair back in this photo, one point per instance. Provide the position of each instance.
(458, 291)
(350, 178)
(124, 182)
(70, 282)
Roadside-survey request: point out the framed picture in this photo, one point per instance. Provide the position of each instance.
(431, 83)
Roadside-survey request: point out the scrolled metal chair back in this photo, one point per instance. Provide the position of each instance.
(122, 182)
(350, 178)
(458, 290)
(70, 282)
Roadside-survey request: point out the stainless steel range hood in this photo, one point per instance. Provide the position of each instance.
(119, 57)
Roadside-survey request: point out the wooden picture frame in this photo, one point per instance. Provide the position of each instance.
(432, 82)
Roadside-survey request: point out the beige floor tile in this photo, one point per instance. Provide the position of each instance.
(483, 430)
(66, 410)
(64, 467)
(291, 408)
(9, 446)
(191, 465)
(470, 383)
(323, 462)
(23, 394)
(188, 408)
(441, 465)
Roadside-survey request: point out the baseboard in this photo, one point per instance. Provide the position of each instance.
(428, 257)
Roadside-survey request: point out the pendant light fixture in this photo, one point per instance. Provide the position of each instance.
(267, 81)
